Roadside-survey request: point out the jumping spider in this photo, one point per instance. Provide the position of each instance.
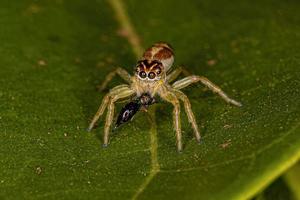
(153, 76)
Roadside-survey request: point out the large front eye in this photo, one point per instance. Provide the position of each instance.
(151, 75)
(142, 74)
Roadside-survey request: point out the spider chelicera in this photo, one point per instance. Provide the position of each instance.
(153, 76)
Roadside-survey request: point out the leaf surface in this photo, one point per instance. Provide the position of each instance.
(54, 53)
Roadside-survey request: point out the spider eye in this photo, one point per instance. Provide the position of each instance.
(151, 75)
(142, 74)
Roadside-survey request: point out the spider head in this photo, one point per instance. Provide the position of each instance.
(151, 70)
(156, 61)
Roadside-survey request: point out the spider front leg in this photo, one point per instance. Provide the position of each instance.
(193, 79)
(121, 72)
(118, 92)
(189, 112)
(171, 97)
(99, 113)
(104, 103)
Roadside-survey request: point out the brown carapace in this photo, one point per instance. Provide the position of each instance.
(161, 52)
(153, 76)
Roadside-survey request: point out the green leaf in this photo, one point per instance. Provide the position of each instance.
(292, 179)
(54, 53)
(276, 191)
(284, 187)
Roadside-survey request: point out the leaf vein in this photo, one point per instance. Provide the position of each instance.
(133, 39)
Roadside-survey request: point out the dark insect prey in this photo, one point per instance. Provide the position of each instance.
(131, 108)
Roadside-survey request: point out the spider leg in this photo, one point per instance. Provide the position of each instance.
(99, 113)
(121, 72)
(110, 111)
(193, 79)
(175, 73)
(105, 101)
(171, 98)
(189, 112)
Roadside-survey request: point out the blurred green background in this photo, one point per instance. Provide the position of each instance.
(54, 53)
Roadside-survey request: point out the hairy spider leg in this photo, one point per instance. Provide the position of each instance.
(118, 92)
(99, 112)
(170, 97)
(193, 79)
(119, 71)
(105, 102)
(189, 113)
